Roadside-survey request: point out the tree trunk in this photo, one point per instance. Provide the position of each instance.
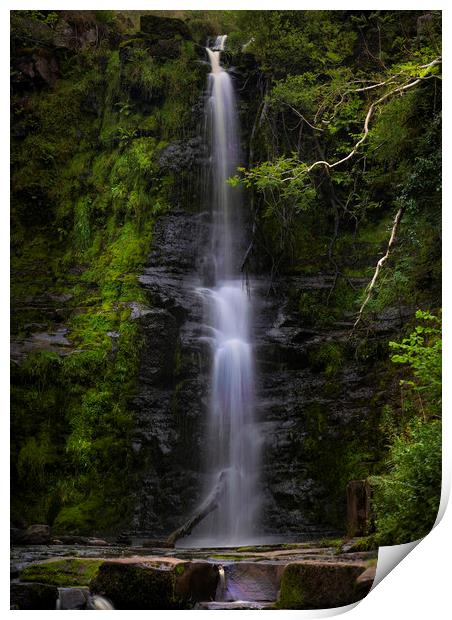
(209, 505)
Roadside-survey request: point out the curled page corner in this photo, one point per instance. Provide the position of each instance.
(389, 557)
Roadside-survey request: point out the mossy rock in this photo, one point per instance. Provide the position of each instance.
(67, 572)
(33, 596)
(142, 585)
(320, 585)
(138, 586)
(164, 27)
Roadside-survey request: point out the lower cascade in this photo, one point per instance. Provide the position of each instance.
(233, 449)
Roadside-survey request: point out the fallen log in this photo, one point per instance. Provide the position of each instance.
(209, 505)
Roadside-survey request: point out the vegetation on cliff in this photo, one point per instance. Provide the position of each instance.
(90, 118)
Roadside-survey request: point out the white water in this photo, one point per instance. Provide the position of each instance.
(232, 442)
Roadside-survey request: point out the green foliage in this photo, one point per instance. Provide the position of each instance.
(87, 188)
(46, 17)
(34, 456)
(329, 358)
(406, 499)
(407, 496)
(284, 41)
(82, 229)
(421, 352)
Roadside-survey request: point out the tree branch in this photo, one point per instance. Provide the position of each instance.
(381, 262)
(209, 505)
(370, 112)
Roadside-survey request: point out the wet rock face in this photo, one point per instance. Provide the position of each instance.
(319, 401)
(314, 399)
(169, 440)
(317, 398)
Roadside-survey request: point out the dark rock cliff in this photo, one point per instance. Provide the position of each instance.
(319, 397)
(170, 404)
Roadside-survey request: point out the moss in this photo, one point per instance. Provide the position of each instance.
(334, 462)
(366, 543)
(319, 585)
(291, 595)
(130, 586)
(87, 188)
(260, 548)
(62, 573)
(328, 358)
(331, 542)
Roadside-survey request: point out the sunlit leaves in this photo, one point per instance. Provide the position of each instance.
(421, 353)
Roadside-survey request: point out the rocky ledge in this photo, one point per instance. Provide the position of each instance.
(290, 576)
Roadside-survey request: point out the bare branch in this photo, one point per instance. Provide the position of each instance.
(381, 262)
(303, 118)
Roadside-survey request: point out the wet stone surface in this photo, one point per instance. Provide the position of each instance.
(214, 578)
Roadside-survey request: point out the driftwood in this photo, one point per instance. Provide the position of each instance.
(209, 505)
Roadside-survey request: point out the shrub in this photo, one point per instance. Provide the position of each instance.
(406, 500)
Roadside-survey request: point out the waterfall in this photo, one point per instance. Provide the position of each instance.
(232, 442)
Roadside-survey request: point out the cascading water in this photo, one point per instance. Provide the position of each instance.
(233, 447)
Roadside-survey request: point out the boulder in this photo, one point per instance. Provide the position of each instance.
(73, 540)
(197, 582)
(142, 583)
(34, 535)
(63, 35)
(33, 596)
(46, 68)
(157, 544)
(320, 585)
(365, 581)
(164, 27)
(72, 598)
(166, 49)
(137, 585)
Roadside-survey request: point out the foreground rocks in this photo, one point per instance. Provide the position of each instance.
(298, 576)
(126, 583)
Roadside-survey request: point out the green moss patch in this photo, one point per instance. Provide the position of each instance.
(68, 572)
(133, 586)
(319, 585)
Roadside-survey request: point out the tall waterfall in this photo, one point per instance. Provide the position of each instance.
(232, 443)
